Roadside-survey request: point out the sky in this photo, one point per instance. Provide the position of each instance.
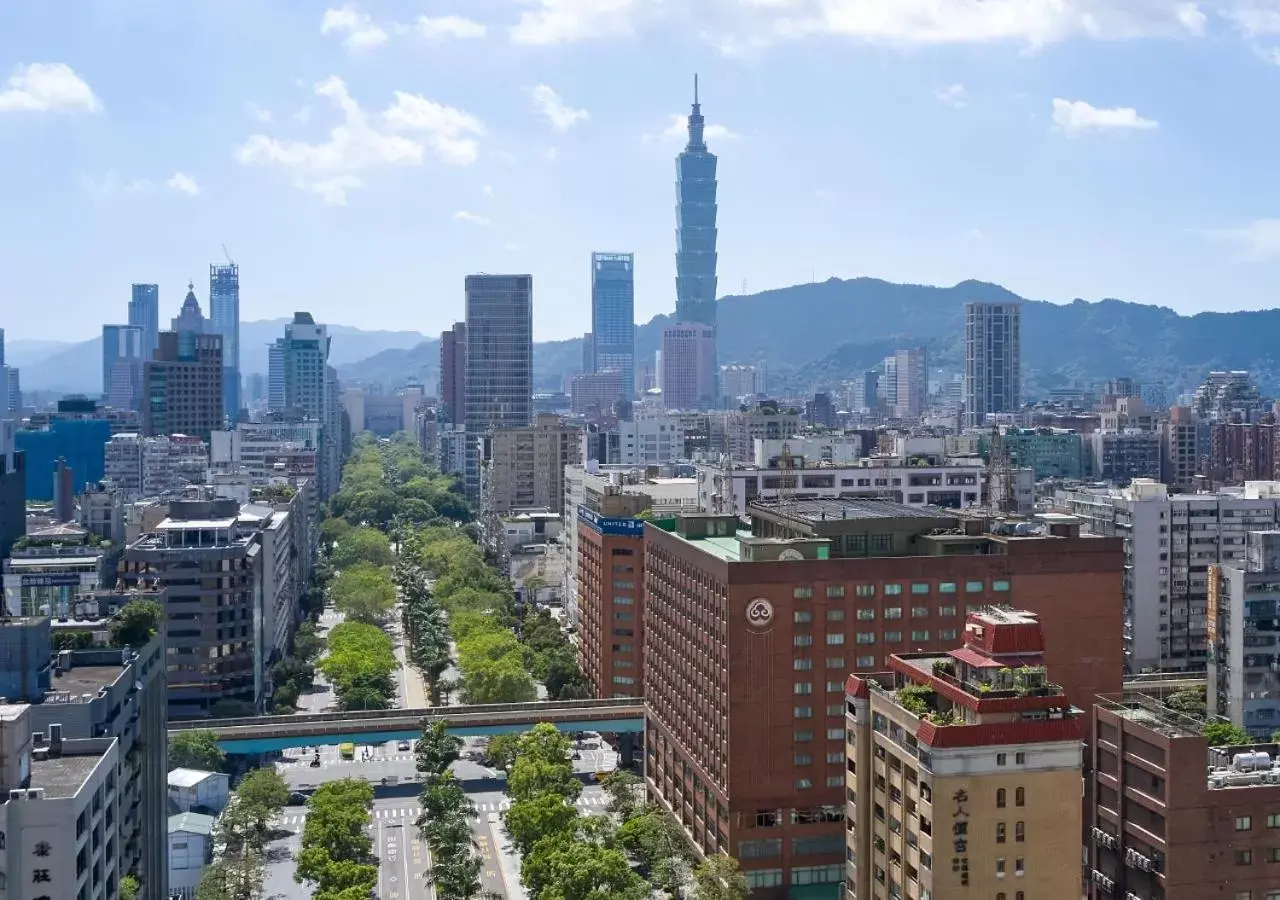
(358, 160)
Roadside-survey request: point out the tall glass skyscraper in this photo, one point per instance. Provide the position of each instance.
(613, 317)
(224, 319)
(144, 313)
(696, 225)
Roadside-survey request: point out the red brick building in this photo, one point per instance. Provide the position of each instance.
(611, 604)
(749, 637)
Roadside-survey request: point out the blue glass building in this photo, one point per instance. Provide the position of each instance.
(613, 317)
(82, 442)
(696, 225)
(224, 319)
(144, 312)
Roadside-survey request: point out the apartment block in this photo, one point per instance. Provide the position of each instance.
(1175, 818)
(1122, 456)
(182, 385)
(1244, 637)
(1170, 541)
(964, 771)
(611, 603)
(1179, 448)
(523, 468)
(747, 731)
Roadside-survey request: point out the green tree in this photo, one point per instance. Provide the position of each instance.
(624, 790)
(718, 878)
(362, 545)
(333, 530)
(1190, 702)
(543, 814)
(530, 777)
(359, 665)
(502, 681)
(196, 749)
(262, 793)
(502, 749)
(335, 830)
(1224, 734)
(655, 841)
(437, 749)
(135, 623)
(364, 592)
(456, 875)
(129, 886)
(556, 869)
(307, 645)
(442, 798)
(73, 640)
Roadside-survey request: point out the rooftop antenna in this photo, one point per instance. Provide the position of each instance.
(695, 88)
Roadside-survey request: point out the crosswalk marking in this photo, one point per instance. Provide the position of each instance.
(397, 812)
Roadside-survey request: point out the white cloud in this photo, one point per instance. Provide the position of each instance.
(330, 168)
(486, 191)
(450, 131)
(954, 96)
(302, 116)
(552, 107)
(1191, 18)
(1075, 117)
(1255, 242)
(439, 29)
(463, 216)
(112, 183)
(678, 130)
(257, 113)
(1258, 18)
(44, 87)
(184, 183)
(359, 30)
(568, 21)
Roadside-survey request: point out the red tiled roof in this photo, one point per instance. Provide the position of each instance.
(980, 660)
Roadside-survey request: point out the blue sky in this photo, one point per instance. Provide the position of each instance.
(359, 160)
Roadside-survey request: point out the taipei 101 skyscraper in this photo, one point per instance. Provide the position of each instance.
(696, 225)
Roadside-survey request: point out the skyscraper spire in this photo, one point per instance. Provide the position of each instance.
(695, 91)
(696, 122)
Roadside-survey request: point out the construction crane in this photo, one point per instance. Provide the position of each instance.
(227, 254)
(787, 481)
(1000, 487)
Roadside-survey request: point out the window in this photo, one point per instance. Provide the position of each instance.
(803, 759)
(865, 590)
(1273, 820)
(1019, 866)
(893, 612)
(835, 734)
(1020, 832)
(835, 709)
(946, 587)
(803, 736)
(893, 637)
(835, 615)
(919, 635)
(1273, 854)
(865, 637)
(803, 640)
(802, 665)
(623, 601)
(1020, 758)
(948, 634)
(1000, 798)
(803, 687)
(999, 866)
(866, 662)
(892, 590)
(803, 712)
(1000, 833)
(999, 585)
(1244, 857)
(835, 780)
(866, 615)
(947, 611)
(919, 587)
(763, 878)
(802, 592)
(835, 758)
(1244, 823)
(973, 587)
(623, 679)
(803, 784)
(835, 662)
(1020, 797)
(834, 687)
(919, 612)
(835, 590)
(803, 615)
(834, 640)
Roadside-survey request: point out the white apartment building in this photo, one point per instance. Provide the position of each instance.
(1170, 541)
(154, 466)
(265, 450)
(811, 449)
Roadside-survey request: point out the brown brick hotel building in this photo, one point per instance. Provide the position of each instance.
(750, 635)
(610, 603)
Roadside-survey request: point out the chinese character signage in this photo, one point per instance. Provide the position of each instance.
(960, 835)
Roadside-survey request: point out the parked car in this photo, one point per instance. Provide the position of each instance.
(404, 745)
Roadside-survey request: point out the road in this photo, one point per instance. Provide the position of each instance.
(403, 857)
(411, 690)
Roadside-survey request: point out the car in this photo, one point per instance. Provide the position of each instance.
(404, 745)
(297, 798)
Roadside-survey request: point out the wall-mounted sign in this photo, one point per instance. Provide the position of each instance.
(58, 579)
(609, 525)
(760, 613)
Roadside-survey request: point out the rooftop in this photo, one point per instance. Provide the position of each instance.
(62, 776)
(185, 778)
(84, 680)
(822, 510)
(191, 823)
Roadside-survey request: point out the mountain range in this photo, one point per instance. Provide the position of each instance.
(812, 336)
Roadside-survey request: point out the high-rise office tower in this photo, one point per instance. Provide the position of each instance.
(499, 380)
(453, 372)
(123, 356)
(299, 388)
(144, 312)
(1, 348)
(613, 328)
(224, 315)
(696, 225)
(275, 377)
(190, 320)
(912, 367)
(183, 385)
(688, 366)
(992, 360)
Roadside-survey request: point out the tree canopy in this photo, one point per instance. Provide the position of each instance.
(196, 749)
(135, 623)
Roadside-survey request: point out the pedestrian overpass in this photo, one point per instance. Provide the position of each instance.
(267, 734)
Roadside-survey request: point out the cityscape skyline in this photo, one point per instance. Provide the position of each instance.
(1006, 165)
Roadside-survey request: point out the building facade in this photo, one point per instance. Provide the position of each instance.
(964, 771)
(611, 599)
(992, 360)
(499, 365)
(688, 366)
(79, 443)
(224, 319)
(523, 468)
(123, 355)
(183, 385)
(144, 313)
(613, 329)
(696, 228)
(1243, 651)
(912, 368)
(453, 373)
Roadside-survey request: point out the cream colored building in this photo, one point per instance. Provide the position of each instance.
(523, 468)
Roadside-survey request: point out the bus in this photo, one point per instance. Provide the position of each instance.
(347, 750)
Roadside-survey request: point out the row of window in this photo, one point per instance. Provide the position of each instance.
(1245, 823)
(806, 712)
(894, 589)
(833, 734)
(836, 639)
(806, 687)
(760, 878)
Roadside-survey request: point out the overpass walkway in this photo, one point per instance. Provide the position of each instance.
(264, 734)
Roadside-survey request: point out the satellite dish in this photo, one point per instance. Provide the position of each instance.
(790, 555)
